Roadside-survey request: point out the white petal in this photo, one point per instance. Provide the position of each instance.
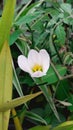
(34, 58)
(37, 74)
(23, 63)
(45, 60)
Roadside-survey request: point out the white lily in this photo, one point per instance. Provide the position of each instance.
(37, 63)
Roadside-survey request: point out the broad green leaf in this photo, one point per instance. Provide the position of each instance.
(70, 99)
(5, 83)
(6, 21)
(51, 76)
(42, 38)
(61, 35)
(28, 18)
(63, 90)
(66, 7)
(65, 126)
(41, 128)
(14, 37)
(25, 10)
(18, 101)
(38, 24)
(35, 117)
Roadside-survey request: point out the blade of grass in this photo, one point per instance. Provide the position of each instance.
(6, 21)
(5, 83)
(18, 101)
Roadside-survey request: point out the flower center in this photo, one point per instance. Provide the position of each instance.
(37, 68)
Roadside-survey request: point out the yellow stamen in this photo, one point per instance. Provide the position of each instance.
(37, 68)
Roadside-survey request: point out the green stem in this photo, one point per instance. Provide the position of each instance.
(67, 76)
(57, 53)
(59, 76)
(57, 73)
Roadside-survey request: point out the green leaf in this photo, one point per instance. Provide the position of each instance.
(6, 21)
(65, 126)
(42, 38)
(35, 117)
(14, 37)
(49, 99)
(17, 83)
(63, 90)
(66, 7)
(64, 103)
(18, 101)
(27, 9)
(51, 76)
(41, 128)
(28, 18)
(70, 99)
(22, 45)
(61, 35)
(5, 83)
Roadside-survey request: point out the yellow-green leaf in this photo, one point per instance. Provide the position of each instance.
(18, 101)
(5, 83)
(68, 125)
(6, 21)
(48, 127)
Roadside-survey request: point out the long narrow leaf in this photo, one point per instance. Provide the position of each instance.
(6, 21)
(5, 61)
(16, 83)
(68, 125)
(18, 101)
(35, 117)
(49, 99)
(48, 127)
(5, 83)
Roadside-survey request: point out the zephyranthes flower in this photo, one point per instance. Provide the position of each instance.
(36, 64)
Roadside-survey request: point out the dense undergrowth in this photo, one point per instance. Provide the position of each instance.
(44, 24)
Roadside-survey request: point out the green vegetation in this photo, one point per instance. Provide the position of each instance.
(38, 24)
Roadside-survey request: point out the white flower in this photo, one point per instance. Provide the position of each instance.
(37, 63)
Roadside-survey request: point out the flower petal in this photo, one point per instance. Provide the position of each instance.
(45, 60)
(34, 58)
(23, 63)
(37, 74)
